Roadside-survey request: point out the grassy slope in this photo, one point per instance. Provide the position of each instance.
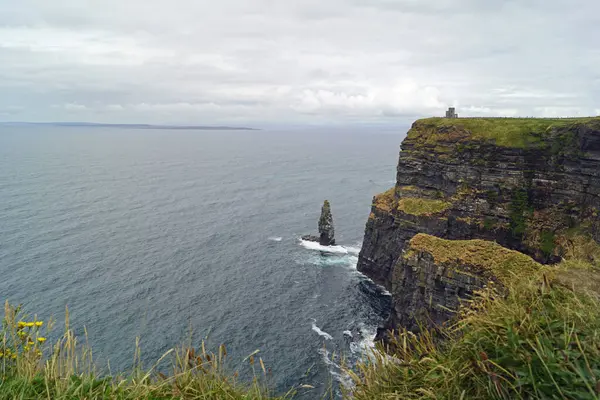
(505, 132)
(541, 340)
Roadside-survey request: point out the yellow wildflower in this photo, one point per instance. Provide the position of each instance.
(14, 357)
(21, 333)
(26, 348)
(21, 324)
(29, 324)
(41, 339)
(39, 323)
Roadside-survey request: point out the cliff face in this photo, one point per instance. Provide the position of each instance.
(531, 185)
(434, 275)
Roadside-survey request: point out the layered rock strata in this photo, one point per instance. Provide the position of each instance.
(433, 276)
(531, 185)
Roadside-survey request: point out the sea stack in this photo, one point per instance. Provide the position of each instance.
(326, 236)
(326, 232)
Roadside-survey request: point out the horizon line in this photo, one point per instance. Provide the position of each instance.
(126, 125)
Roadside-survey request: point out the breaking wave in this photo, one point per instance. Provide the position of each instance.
(366, 339)
(335, 369)
(320, 332)
(307, 244)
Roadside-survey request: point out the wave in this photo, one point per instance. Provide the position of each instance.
(315, 328)
(352, 249)
(276, 238)
(366, 343)
(381, 290)
(339, 249)
(336, 370)
(307, 244)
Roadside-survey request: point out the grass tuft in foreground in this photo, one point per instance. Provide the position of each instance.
(32, 368)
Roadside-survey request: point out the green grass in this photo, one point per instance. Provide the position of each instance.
(384, 201)
(536, 338)
(31, 368)
(505, 132)
(422, 206)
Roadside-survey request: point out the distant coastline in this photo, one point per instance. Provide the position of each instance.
(128, 126)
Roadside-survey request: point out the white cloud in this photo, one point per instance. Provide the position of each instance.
(341, 60)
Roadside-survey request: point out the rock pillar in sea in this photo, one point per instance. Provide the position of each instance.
(326, 233)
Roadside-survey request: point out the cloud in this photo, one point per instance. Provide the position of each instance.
(198, 61)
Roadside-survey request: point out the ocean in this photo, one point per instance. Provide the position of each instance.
(171, 235)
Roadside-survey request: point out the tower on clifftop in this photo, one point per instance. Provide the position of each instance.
(451, 113)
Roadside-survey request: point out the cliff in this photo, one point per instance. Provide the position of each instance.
(531, 185)
(434, 275)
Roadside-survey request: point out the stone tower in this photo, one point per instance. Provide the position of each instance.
(451, 113)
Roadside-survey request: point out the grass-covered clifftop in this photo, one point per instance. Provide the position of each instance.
(505, 132)
(488, 258)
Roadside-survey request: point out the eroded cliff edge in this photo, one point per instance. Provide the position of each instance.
(531, 185)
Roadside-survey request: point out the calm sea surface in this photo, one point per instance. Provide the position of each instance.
(156, 233)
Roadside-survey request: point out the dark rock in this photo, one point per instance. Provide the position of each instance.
(434, 276)
(311, 238)
(326, 232)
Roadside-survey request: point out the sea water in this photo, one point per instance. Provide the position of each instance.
(169, 235)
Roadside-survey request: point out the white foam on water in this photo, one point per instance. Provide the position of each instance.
(324, 334)
(330, 261)
(382, 289)
(276, 238)
(366, 344)
(347, 333)
(352, 249)
(310, 245)
(353, 261)
(335, 370)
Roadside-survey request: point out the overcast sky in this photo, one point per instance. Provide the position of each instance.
(296, 61)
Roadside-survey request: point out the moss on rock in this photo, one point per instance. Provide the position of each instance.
(422, 206)
(384, 201)
(484, 256)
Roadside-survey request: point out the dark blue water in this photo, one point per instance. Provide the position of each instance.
(152, 233)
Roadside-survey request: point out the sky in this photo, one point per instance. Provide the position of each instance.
(257, 62)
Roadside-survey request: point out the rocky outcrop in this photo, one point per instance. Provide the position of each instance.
(433, 276)
(326, 232)
(528, 184)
